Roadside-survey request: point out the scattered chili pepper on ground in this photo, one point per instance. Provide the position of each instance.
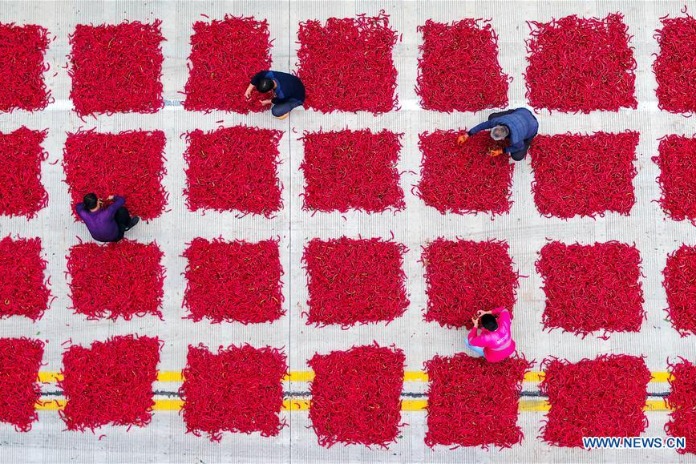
(581, 64)
(116, 68)
(680, 286)
(123, 279)
(109, 382)
(463, 178)
(225, 54)
(233, 168)
(682, 402)
(675, 65)
(472, 402)
(233, 281)
(237, 389)
(464, 277)
(601, 397)
(356, 396)
(444, 84)
(591, 287)
(584, 175)
(129, 163)
(23, 286)
(354, 281)
(20, 360)
(21, 191)
(347, 64)
(352, 170)
(22, 53)
(676, 179)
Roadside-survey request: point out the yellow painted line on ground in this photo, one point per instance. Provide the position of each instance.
(303, 405)
(50, 377)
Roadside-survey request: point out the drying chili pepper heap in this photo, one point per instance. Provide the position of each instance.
(20, 360)
(580, 64)
(347, 64)
(129, 163)
(472, 402)
(601, 397)
(22, 53)
(233, 168)
(233, 281)
(444, 84)
(682, 402)
(24, 290)
(224, 56)
(591, 287)
(356, 396)
(123, 279)
(355, 281)
(352, 170)
(464, 277)
(21, 191)
(110, 382)
(116, 68)
(676, 179)
(585, 175)
(237, 389)
(675, 65)
(680, 275)
(464, 178)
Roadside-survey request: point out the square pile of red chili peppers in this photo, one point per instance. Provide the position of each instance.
(584, 175)
(580, 64)
(224, 56)
(356, 396)
(20, 360)
(591, 287)
(354, 281)
(682, 401)
(464, 178)
(237, 389)
(472, 402)
(123, 279)
(24, 290)
(602, 397)
(442, 85)
(233, 281)
(680, 286)
(233, 168)
(676, 179)
(464, 277)
(130, 164)
(21, 191)
(110, 382)
(347, 64)
(116, 68)
(675, 65)
(22, 84)
(352, 170)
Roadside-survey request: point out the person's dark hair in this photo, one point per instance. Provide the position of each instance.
(489, 322)
(90, 201)
(265, 85)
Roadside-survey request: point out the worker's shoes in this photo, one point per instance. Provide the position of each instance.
(134, 221)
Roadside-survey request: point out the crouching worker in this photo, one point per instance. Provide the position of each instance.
(288, 92)
(105, 223)
(495, 341)
(519, 126)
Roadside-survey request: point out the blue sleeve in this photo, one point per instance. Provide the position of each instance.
(118, 202)
(515, 147)
(483, 126)
(80, 208)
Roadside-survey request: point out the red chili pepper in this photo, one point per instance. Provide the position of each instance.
(682, 400)
(677, 171)
(22, 83)
(24, 290)
(679, 277)
(20, 360)
(675, 70)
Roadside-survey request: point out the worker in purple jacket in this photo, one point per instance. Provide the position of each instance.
(288, 92)
(106, 224)
(519, 126)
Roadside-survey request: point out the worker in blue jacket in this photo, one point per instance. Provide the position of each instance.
(518, 125)
(288, 92)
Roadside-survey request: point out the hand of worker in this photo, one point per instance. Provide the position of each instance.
(247, 93)
(110, 197)
(265, 102)
(495, 151)
(461, 140)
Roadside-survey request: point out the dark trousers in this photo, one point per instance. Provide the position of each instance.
(518, 155)
(284, 108)
(123, 221)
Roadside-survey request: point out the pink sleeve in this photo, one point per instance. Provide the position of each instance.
(482, 340)
(504, 318)
(498, 310)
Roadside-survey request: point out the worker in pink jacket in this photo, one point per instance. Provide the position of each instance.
(495, 341)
